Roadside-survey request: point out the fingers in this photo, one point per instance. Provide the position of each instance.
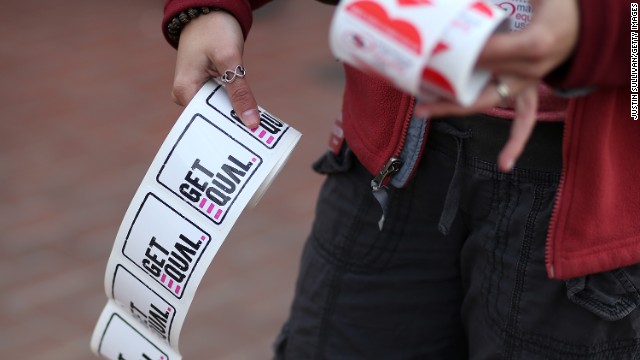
(488, 98)
(525, 118)
(524, 54)
(525, 92)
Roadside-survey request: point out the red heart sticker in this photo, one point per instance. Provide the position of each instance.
(435, 78)
(440, 48)
(414, 2)
(483, 8)
(376, 16)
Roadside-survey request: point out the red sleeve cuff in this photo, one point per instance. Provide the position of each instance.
(240, 9)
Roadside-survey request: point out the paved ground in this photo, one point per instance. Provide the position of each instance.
(84, 96)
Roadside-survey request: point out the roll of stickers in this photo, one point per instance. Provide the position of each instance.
(208, 170)
(427, 48)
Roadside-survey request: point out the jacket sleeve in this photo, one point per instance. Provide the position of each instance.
(241, 9)
(601, 57)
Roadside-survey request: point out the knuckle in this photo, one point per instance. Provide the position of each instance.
(179, 91)
(227, 55)
(541, 45)
(175, 98)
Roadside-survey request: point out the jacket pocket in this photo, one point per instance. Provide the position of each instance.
(611, 295)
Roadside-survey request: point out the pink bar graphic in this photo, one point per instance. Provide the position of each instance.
(254, 129)
(169, 309)
(262, 133)
(177, 289)
(218, 213)
(162, 279)
(210, 209)
(270, 140)
(203, 238)
(203, 202)
(170, 284)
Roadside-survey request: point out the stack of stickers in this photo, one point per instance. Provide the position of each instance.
(207, 171)
(427, 48)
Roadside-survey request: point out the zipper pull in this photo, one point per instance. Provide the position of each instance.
(380, 190)
(391, 167)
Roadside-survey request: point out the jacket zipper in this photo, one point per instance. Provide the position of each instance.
(405, 127)
(391, 167)
(548, 253)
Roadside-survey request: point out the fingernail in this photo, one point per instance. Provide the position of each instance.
(251, 118)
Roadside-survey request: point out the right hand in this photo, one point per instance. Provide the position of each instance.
(209, 45)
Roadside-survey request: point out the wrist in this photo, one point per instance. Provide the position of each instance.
(178, 22)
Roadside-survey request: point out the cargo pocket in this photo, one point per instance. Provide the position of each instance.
(331, 163)
(611, 295)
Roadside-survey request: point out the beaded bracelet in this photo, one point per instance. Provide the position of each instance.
(175, 26)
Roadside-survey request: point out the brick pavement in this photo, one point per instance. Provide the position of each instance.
(85, 105)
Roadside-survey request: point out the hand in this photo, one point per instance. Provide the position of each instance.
(526, 107)
(521, 59)
(209, 45)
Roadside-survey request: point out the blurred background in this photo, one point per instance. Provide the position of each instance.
(85, 103)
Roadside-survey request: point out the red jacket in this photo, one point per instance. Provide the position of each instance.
(596, 222)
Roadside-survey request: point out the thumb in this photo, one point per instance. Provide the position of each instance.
(241, 96)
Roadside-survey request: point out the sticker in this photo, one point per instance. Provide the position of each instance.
(400, 30)
(122, 341)
(144, 304)
(268, 133)
(165, 244)
(207, 174)
(519, 12)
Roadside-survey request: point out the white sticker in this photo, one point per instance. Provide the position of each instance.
(208, 169)
(165, 245)
(268, 133)
(121, 341)
(144, 304)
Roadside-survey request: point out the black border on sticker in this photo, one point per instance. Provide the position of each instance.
(132, 327)
(198, 115)
(242, 126)
(184, 287)
(113, 296)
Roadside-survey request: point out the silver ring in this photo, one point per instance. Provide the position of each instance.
(230, 75)
(503, 90)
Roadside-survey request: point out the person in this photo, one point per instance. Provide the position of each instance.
(510, 230)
